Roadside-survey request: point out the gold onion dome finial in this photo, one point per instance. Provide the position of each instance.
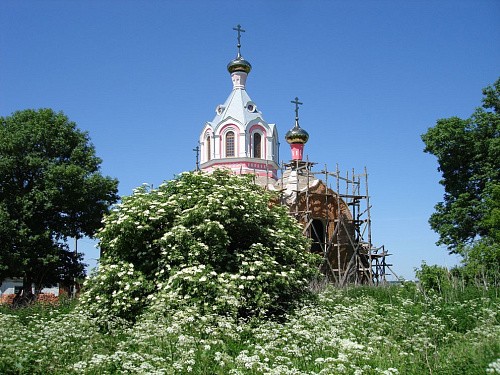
(239, 64)
(297, 134)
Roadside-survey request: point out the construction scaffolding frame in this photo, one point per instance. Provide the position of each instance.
(344, 237)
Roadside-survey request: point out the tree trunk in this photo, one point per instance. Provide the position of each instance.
(27, 297)
(27, 285)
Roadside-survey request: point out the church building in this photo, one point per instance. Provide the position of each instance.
(239, 139)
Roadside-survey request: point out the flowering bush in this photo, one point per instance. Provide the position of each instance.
(214, 242)
(116, 291)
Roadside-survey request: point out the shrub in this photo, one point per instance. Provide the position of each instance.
(434, 277)
(214, 242)
(117, 290)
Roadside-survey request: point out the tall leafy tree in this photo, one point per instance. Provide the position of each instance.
(468, 153)
(51, 189)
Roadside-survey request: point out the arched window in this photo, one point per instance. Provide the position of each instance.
(209, 151)
(230, 144)
(257, 146)
(318, 236)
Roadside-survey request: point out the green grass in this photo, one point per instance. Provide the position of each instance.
(384, 330)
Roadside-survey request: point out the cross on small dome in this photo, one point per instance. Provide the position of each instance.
(239, 64)
(297, 135)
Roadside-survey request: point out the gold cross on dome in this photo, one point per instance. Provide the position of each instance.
(239, 30)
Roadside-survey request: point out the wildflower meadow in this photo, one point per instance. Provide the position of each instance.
(205, 275)
(385, 330)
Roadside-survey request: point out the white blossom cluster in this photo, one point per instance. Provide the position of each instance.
(343, 332)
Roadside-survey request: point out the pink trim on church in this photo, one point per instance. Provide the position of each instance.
(297, 151)
(263, 140)
(257, 126)
(222, 140)
(245, 167)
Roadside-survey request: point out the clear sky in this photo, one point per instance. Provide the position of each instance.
(143, 77)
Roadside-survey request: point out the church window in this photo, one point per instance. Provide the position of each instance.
(220, 109)
(209, 151)
(317, 236)
(251, 107)
(230, 144)
(257, 146)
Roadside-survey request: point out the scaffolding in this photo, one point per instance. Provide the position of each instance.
(339, 224)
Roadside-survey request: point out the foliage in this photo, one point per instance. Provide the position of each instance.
(481, 262)
(117, 291)
(468, 153)
(64, 267)
(362, 330)
(214, 242)
(50, 189)
(63, 305)
(434, 277)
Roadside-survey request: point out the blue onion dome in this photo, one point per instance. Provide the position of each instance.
(297, 135)
(239, 64)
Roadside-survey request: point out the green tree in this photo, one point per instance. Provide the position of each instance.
(468, 153)
(51, 189)
(214, 243)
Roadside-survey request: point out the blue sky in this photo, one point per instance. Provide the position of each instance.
(143, 77)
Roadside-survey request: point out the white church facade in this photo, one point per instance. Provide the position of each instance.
(238, 138)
